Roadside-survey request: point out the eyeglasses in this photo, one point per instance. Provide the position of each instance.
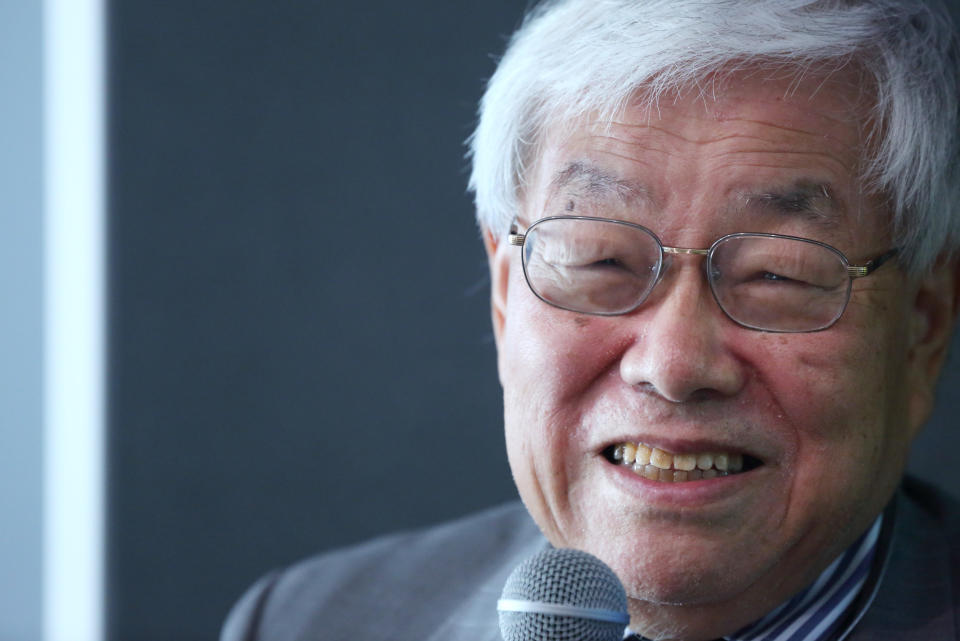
(766, 282)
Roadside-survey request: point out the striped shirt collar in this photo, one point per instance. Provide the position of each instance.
(815, 613)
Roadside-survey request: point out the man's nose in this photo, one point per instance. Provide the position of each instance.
(679, 348)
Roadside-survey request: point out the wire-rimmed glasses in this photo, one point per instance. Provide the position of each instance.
(766, 282)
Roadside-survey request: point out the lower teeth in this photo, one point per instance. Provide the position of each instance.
(654, 473)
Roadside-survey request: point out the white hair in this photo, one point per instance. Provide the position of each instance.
(575, 57)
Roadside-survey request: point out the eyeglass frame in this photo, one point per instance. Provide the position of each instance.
(854, 271)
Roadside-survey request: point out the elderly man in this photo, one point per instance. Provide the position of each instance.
(722, 249)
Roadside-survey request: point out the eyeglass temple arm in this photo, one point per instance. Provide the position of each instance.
(515, 237)
(858, 271)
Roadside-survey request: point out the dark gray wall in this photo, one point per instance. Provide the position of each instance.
(300, 351)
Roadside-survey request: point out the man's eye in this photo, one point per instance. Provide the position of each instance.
(775, 277)
(607, 262)
(763, 277)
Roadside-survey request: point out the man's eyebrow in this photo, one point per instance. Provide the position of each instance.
(588, 181)
(804, 198)
(813, 200)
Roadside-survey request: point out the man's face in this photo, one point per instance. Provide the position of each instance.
(823, 419)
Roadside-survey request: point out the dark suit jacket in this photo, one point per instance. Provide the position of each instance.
(443, 583)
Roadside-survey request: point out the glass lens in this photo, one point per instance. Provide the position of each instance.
(779, 284)
(591, 266)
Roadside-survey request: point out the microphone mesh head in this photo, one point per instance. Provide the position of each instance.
(567, 577)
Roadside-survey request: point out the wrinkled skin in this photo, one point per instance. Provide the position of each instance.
(829, 414)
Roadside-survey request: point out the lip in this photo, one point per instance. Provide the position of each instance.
(702, 494)
(686, 495)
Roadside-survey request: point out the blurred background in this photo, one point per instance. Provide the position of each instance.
(293, 299)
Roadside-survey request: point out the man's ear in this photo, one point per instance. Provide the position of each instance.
(498, 259)
(936, 304)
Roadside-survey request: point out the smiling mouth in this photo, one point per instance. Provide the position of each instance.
(660, 465)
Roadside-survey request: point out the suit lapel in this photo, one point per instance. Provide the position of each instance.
(476, 618)
(914, 600)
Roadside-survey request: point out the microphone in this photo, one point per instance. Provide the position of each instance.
(563, 595)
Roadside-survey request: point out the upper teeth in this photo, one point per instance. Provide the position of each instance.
(661, 465)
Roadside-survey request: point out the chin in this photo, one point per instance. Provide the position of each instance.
(664, 571)
(678, 586)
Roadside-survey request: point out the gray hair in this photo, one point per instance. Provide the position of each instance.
(575, 57)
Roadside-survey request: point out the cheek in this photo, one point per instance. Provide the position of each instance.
(544, 369)
(841, 396)
(550, 356)
(550, 361)
(829, 383)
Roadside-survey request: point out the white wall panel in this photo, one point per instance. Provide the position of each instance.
(74, 316)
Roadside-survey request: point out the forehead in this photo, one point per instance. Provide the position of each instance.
(772, 139)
